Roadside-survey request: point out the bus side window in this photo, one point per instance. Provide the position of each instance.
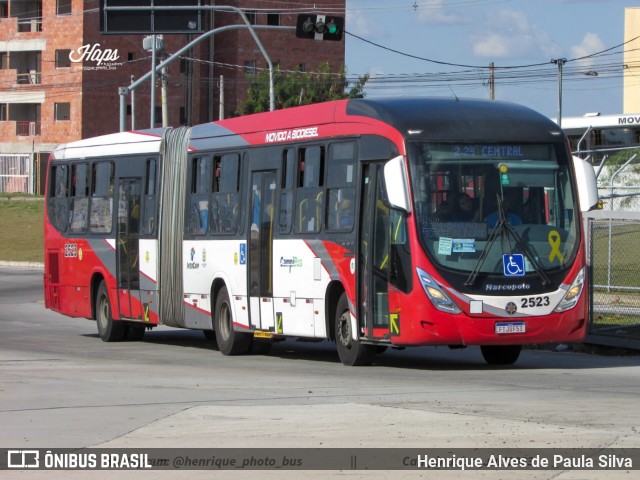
(309, 196)
(197, 220)
(341, 192)
(286, 197)
(101, 213)
(58, 202)
(224, 199)
(79, 197)
(149, 211)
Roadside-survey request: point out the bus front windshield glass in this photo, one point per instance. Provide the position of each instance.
(465, 194)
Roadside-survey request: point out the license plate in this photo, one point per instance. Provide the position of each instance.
(511, 327)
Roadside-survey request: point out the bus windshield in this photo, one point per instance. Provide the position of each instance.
(464, 195)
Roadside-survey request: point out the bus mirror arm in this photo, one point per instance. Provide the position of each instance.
(397, 184)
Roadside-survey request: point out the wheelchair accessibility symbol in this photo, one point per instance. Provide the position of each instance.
(513, 265)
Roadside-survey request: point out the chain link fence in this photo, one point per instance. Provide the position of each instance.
(613, 241)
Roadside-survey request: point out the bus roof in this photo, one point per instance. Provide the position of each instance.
(420, 118)
(425, 119)
(601, 121)
(445, 118)
(143, 142)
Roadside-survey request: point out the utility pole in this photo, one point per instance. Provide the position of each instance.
(164, 80)
(492, 81)
(221, 107)
(560, 62)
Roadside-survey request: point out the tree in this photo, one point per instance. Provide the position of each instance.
(299, 88)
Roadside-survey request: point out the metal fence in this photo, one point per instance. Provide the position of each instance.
(16, 173)
(613, 242)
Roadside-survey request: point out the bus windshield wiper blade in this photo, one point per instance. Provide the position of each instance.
(501, 228)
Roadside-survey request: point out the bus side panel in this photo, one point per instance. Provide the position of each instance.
(76, 271)
(149, 280)
(203, 262)
(299, 280)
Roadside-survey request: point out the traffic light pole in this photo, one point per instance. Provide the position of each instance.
(123, 91)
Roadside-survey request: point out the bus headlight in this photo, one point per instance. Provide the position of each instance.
(436, 294)
(573, 294)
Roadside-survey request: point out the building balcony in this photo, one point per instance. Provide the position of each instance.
(30, 25)
(28, 128)
(29, 78)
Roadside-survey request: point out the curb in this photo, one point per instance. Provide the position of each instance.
(30, 265)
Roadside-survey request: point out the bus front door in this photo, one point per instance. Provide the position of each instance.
(260, 255)
(374, 249)
(127, 248)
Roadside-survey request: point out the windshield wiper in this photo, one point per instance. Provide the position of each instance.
(503, 227)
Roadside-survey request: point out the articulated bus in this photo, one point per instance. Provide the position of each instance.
(596, 136)
(339, 221)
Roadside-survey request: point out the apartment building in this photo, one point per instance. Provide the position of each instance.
(59, 76)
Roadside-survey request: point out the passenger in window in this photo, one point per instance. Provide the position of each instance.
(444, 211)
(464, 210)
(512, 219)
(347, 212)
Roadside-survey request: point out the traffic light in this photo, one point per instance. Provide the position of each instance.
(320, 27)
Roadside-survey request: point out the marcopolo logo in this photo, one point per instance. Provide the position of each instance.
(105, 59)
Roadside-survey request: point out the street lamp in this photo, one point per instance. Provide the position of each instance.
(560, 62)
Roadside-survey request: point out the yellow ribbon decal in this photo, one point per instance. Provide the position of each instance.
(554, 242)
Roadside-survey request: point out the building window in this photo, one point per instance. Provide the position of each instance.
(131, 56)
(4, 9)
(62, 111)
(250, 67)
(252, 16)
(302, 67)
(3, 112)
(63, 7)
(273, 19)
(62, 59)
(4, 60)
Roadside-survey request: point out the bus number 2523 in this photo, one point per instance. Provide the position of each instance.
(533, 302)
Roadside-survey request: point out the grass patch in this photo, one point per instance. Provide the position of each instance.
(624, 251)
(21, 230)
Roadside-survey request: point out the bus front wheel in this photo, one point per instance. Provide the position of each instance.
(229, 341)
(350, 351)
(501, 354)
(110, 330)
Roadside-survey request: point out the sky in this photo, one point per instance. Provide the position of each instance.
(456, 40)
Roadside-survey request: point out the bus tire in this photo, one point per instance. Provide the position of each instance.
(110, 330)
(501, 354)
(350, 351)
(229, 341)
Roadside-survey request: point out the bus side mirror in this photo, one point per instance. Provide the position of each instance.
(397, 184)
(587, 184)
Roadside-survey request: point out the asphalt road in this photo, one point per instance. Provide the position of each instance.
(61, 386)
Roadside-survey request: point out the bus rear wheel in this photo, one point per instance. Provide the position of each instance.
(501, 354)
(110, 330)
(229, 341)
(350, 351)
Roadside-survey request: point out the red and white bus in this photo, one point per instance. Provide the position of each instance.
(327, 221)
